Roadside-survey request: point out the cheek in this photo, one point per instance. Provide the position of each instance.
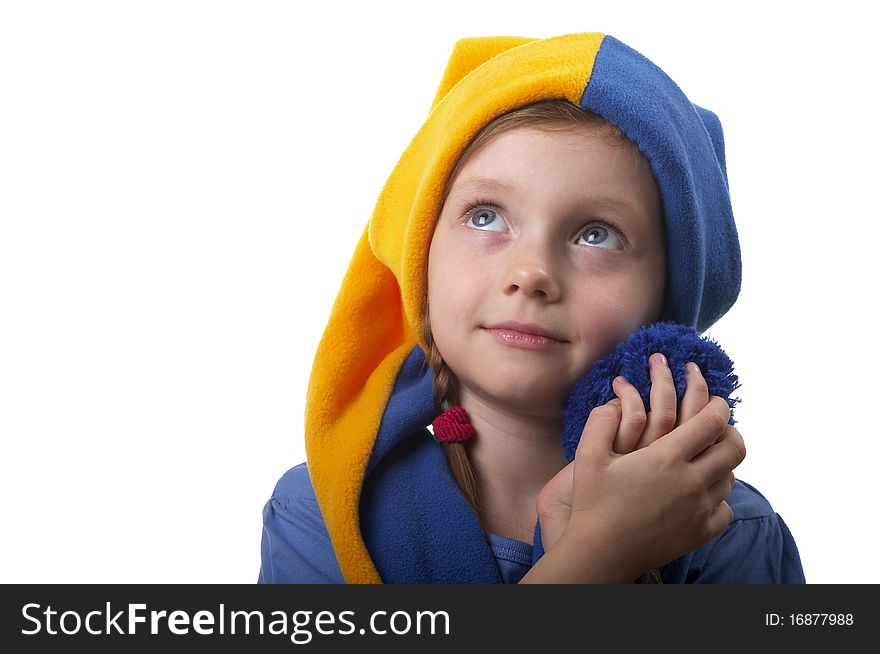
(455, 292)
(602, 321)
(456, 279)
(453, 298)
(606, 318)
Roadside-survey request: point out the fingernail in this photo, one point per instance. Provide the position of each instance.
(659, 359)
(692, 367)
(620, 379)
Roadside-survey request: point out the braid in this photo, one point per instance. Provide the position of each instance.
(446, 396)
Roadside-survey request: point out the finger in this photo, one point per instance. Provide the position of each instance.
(721, 489)
(696, 394)
(633, 417)
(663, 400)
(717, 460)
(689, 439)
(553, 506)
(720, 519)
(599, 432)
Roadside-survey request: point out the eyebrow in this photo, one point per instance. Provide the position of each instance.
(479, 183)
(483, 183)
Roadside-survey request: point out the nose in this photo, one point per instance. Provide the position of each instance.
(532, 274)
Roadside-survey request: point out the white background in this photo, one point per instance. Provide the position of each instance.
(182, 185)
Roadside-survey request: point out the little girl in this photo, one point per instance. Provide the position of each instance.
(561, 193)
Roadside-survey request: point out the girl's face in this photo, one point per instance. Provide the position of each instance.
(559, 230)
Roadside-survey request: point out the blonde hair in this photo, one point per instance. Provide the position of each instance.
(548, 115)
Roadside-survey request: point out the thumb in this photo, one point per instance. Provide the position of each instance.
(554, 506)
(597, 438)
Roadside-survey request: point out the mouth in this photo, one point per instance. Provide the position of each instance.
(528, 336)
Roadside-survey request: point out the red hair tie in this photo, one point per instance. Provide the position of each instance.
(453, 426)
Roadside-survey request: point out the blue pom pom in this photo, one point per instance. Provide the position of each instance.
(679, 343)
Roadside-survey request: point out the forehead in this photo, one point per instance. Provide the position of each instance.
(578, 164)
(523, 149)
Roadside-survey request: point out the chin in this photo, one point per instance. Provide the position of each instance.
(523, 398)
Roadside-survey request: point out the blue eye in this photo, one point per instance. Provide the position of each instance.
(599, 236)
(485, 218)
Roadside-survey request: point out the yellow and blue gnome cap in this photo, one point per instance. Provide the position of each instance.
(392, 509)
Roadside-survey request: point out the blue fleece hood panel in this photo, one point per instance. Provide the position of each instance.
(685, 146)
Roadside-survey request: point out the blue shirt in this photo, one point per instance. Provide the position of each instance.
(756, 547)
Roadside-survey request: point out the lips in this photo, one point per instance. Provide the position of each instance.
(527, 328)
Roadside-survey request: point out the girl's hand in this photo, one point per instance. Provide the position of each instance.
(637, 511)
(636, 431)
